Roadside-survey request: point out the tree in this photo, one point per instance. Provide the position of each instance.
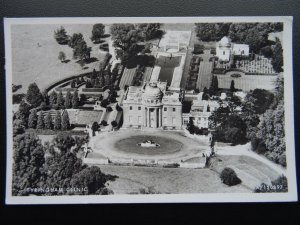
(52, 98)
(48, 121)
(40, 121)
(60, 100)
(45, 97)
(205, 95)
(150, 31)
(61, 36)
(126, 39)
(57, 121)
(232, 130)
(73, 84)
(81, 51)
(229, 177)
(65, 122)
(103, 123)
(212, 31)
(114, 123)
(277, 60)
(34, 96)
(61, 56)
(23, 113)
(65, 170)
(191, 126)
(88, 84)
(97, 32)
(91, 179)
(75, 39)
(107, 80)
(68, 100)
(214, 87)
(95, 127)
(75, 100)
(18, 127)
(83, 98)
(32, 119)
(272, 132)
(28, 155)
(232, 88)
(259, 100)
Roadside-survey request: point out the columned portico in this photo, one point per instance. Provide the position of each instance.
(152, 117)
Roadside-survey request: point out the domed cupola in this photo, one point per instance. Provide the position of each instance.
(152, 93)
(225, 42)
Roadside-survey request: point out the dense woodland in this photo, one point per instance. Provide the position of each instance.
(54, 166)
(259, 119)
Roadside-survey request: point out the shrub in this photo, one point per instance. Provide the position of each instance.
(229, 177)
(103, 123)
(114, 123)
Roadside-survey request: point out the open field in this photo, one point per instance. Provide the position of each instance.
(167, 180)
(35, 54)
(247, 82)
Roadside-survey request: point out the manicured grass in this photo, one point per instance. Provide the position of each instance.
(251, 171)
(167, 180)
(130, 145)
(247, 82)
(35, 54)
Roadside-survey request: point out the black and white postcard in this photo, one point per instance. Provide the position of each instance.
(141, 110)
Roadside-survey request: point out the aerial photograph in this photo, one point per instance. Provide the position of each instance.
(147, 108)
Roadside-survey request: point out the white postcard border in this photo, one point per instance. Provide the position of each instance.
(291, 195)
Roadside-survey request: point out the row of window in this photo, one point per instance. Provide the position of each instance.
(140, 108)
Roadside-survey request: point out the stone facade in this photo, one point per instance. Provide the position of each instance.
(151, 106)
(225, 49)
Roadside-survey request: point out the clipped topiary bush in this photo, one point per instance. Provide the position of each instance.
(229, 177)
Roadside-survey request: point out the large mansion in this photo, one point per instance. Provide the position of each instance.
(152, 105)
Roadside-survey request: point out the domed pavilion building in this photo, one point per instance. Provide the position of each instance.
(225, 49)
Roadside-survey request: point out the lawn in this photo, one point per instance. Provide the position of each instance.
(247, 82)
(167, 180)
(35, 54)
(251, 171)
(130, 145)
(178, 180)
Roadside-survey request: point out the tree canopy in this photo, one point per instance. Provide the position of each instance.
(61, 36)
(34, 96)
(97, 32)
(277, 59)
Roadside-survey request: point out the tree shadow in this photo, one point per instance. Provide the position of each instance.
(91, 60)
(105, 35)
(98, 41)
(87, 61)
(142, 60)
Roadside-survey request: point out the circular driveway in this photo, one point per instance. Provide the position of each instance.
(122, 144)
